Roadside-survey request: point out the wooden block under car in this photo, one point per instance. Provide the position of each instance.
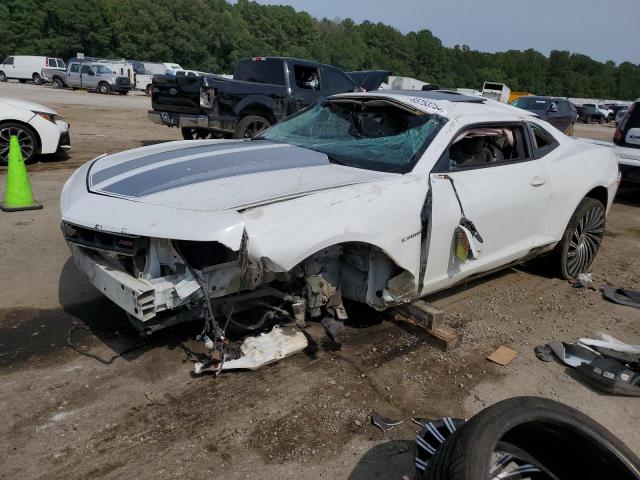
(423, 313)
(442, 337)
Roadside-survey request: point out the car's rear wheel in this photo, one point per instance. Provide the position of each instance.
(601, 120)
(26, 139)
(581, 240)
(104, 88)
(37, 79)
(250, 126)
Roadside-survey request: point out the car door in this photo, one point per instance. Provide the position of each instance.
(305, 84)
(9, 68)
(507, 201)
(73, 75)
(88, 77)
(558, 116)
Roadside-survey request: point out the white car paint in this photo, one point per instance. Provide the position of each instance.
(25, 67)
(21, 111)
(288, 214)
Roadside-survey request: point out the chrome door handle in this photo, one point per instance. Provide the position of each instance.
(538, 181)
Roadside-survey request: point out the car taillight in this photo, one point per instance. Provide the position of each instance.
(618, 135)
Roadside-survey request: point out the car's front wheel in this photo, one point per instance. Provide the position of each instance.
(3, 77)
(57, 83)
(26, 139)
(104, 88)
(581, 240)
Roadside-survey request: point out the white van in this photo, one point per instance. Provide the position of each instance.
(27, 67)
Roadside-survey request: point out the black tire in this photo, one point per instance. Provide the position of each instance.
(562, 442)
(250, 126)
(189, 133)
(148, 90)
(581, 240)
(27, 138)
(57, 83)
(587, 119)
(601, 120)
(124, 92)
(3, 77)
(37, 79)
(104, 88)
(21, 80)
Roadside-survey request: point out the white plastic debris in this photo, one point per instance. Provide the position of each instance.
(264, 349)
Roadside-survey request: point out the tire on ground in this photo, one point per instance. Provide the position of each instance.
(57, 83)
(564, 441)
(246, 126)
(37, 79)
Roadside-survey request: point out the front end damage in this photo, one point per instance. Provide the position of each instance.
(162, 282)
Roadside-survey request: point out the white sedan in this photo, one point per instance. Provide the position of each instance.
(39, 129)
(379, 198)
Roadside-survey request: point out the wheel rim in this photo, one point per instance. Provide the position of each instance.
(25, 140)
(103, 89)
(254, 128)
(585, 241)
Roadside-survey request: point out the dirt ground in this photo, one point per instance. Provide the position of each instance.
(64, 415)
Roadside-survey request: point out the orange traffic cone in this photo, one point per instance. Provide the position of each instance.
(18, 195)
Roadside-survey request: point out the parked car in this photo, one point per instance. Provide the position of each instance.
(263, 91)
(559, 112)
(589, 114)
(627, 141)
(26, 68)
(377, 197)
(90, 76)
(607, 113)
(39, 129)
(620, 114)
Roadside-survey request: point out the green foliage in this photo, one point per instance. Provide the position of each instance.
(212, 35)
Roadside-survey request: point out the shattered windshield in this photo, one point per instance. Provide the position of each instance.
(374, 134)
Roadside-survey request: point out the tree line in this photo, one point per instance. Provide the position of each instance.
(212, 35)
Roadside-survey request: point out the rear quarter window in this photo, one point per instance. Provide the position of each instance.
(260, 71)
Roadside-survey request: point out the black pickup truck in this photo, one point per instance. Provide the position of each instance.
(263, 91)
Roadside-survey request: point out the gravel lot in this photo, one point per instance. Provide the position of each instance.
(63, 415)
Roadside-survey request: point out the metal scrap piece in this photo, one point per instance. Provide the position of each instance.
(383, 423)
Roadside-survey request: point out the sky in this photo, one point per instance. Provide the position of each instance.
(603, 29)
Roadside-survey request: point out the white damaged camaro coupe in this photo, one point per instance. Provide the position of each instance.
(379, 198)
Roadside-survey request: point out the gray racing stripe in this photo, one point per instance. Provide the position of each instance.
(146, 160)
(219, 166)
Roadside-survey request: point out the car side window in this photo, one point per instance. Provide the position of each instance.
(61, 63)
(307, 78)
(9, 61)
(542, 141)
(86, 69)
(488, 145)
(337, 82)
(51, 62)
(75, 68)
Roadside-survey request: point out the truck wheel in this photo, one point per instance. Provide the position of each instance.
(189, 133)
(124, 92)
(529, 437)
(26, 139)
(104, 88)
(57, 83)
(601, 120)
(148, 90)
(3, 77)
(37, 79)
(587, 119)
(250, 126)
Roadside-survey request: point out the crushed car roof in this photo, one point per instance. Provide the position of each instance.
(445, 102)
